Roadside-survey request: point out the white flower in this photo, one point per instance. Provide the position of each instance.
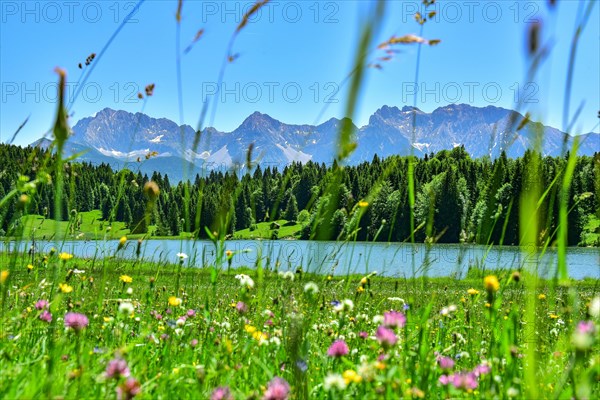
(512, 392)
(78, 271)
(311, 288)
(287, 275)
(181, 256)
(275, 340)
(344, 305)
(129, 290)
(226, 325)
(595, 307)
(396, 299)
(334, 381)
(378, 319)
(180, 322)
(245, 280)
(126, 308)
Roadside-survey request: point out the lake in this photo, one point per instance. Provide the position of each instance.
(393, 259)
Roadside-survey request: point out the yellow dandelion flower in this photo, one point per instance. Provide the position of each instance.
(473, 292)
(122, 242)
(488, 305)
(174, 301)
(3, 276)
(350, 376)
(363, 204)
(542, 296)
(491, 283)
(553, 316)
(249, 328)
(379, 365)
(228, 253)
(30, 267)
(65, 288)
(363, 281)
(258, 335)
(126, 279)
(360, 289)
(65, 256)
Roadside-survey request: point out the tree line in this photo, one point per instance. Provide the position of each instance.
(456, 198)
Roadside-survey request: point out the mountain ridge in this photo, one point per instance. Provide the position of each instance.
(118, 136)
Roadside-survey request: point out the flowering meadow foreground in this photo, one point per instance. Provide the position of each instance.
(74, 328)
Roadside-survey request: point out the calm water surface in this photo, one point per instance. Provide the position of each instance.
(394, 259)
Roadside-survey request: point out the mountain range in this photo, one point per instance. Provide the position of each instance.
(139, 141)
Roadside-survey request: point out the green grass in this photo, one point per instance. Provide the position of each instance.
(219, 347)
(263, 231)
(92, 227)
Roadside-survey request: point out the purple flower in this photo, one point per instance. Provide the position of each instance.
(464, 380)
(76, 321)
(278, 389)
(46, 316)
(241, 307)
(128, 390)
(194, 342)
(481, 369)
(445, 362)
(394, 319)
(40, 305)
(363, 334)
(191, 313)
(338, 348)
(386, 336)
(444, 379)
(585, 327)
(117, 368)
(221, 393)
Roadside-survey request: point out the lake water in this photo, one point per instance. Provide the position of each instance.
(394, 259)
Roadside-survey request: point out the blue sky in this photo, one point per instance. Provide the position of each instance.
(292, 57)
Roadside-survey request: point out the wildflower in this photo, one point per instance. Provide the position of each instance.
(394, 319)
(122, 242)
(491, 283)
(287, 275)
(194, 342)
(228, 253)
(473, 292)
(277, 389)
(221, 393)
(542, 296)
(174, 301)
(363, 204)
(334, 382)
(126, 308)
(129, 290)
(583, 337)
(241, 307)
(180, 322)
(311, 288)
(41, 304)
(360, 289)
(3, 276)
(129, 389)
(65, 288)
(445, 363)
(339, 348)
(76, 321)
(30, 267)
(482, 369)
(126, 279)
(245, 280)
(350, 376)
(65, 256)
(344, 305)
(460, 380)
(363, 335)
(181, 256)
(117, 368)
(386, 336)
(46, 316)
(512, 392)
(594, 307)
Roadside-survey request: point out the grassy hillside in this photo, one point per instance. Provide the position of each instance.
(263, 231)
